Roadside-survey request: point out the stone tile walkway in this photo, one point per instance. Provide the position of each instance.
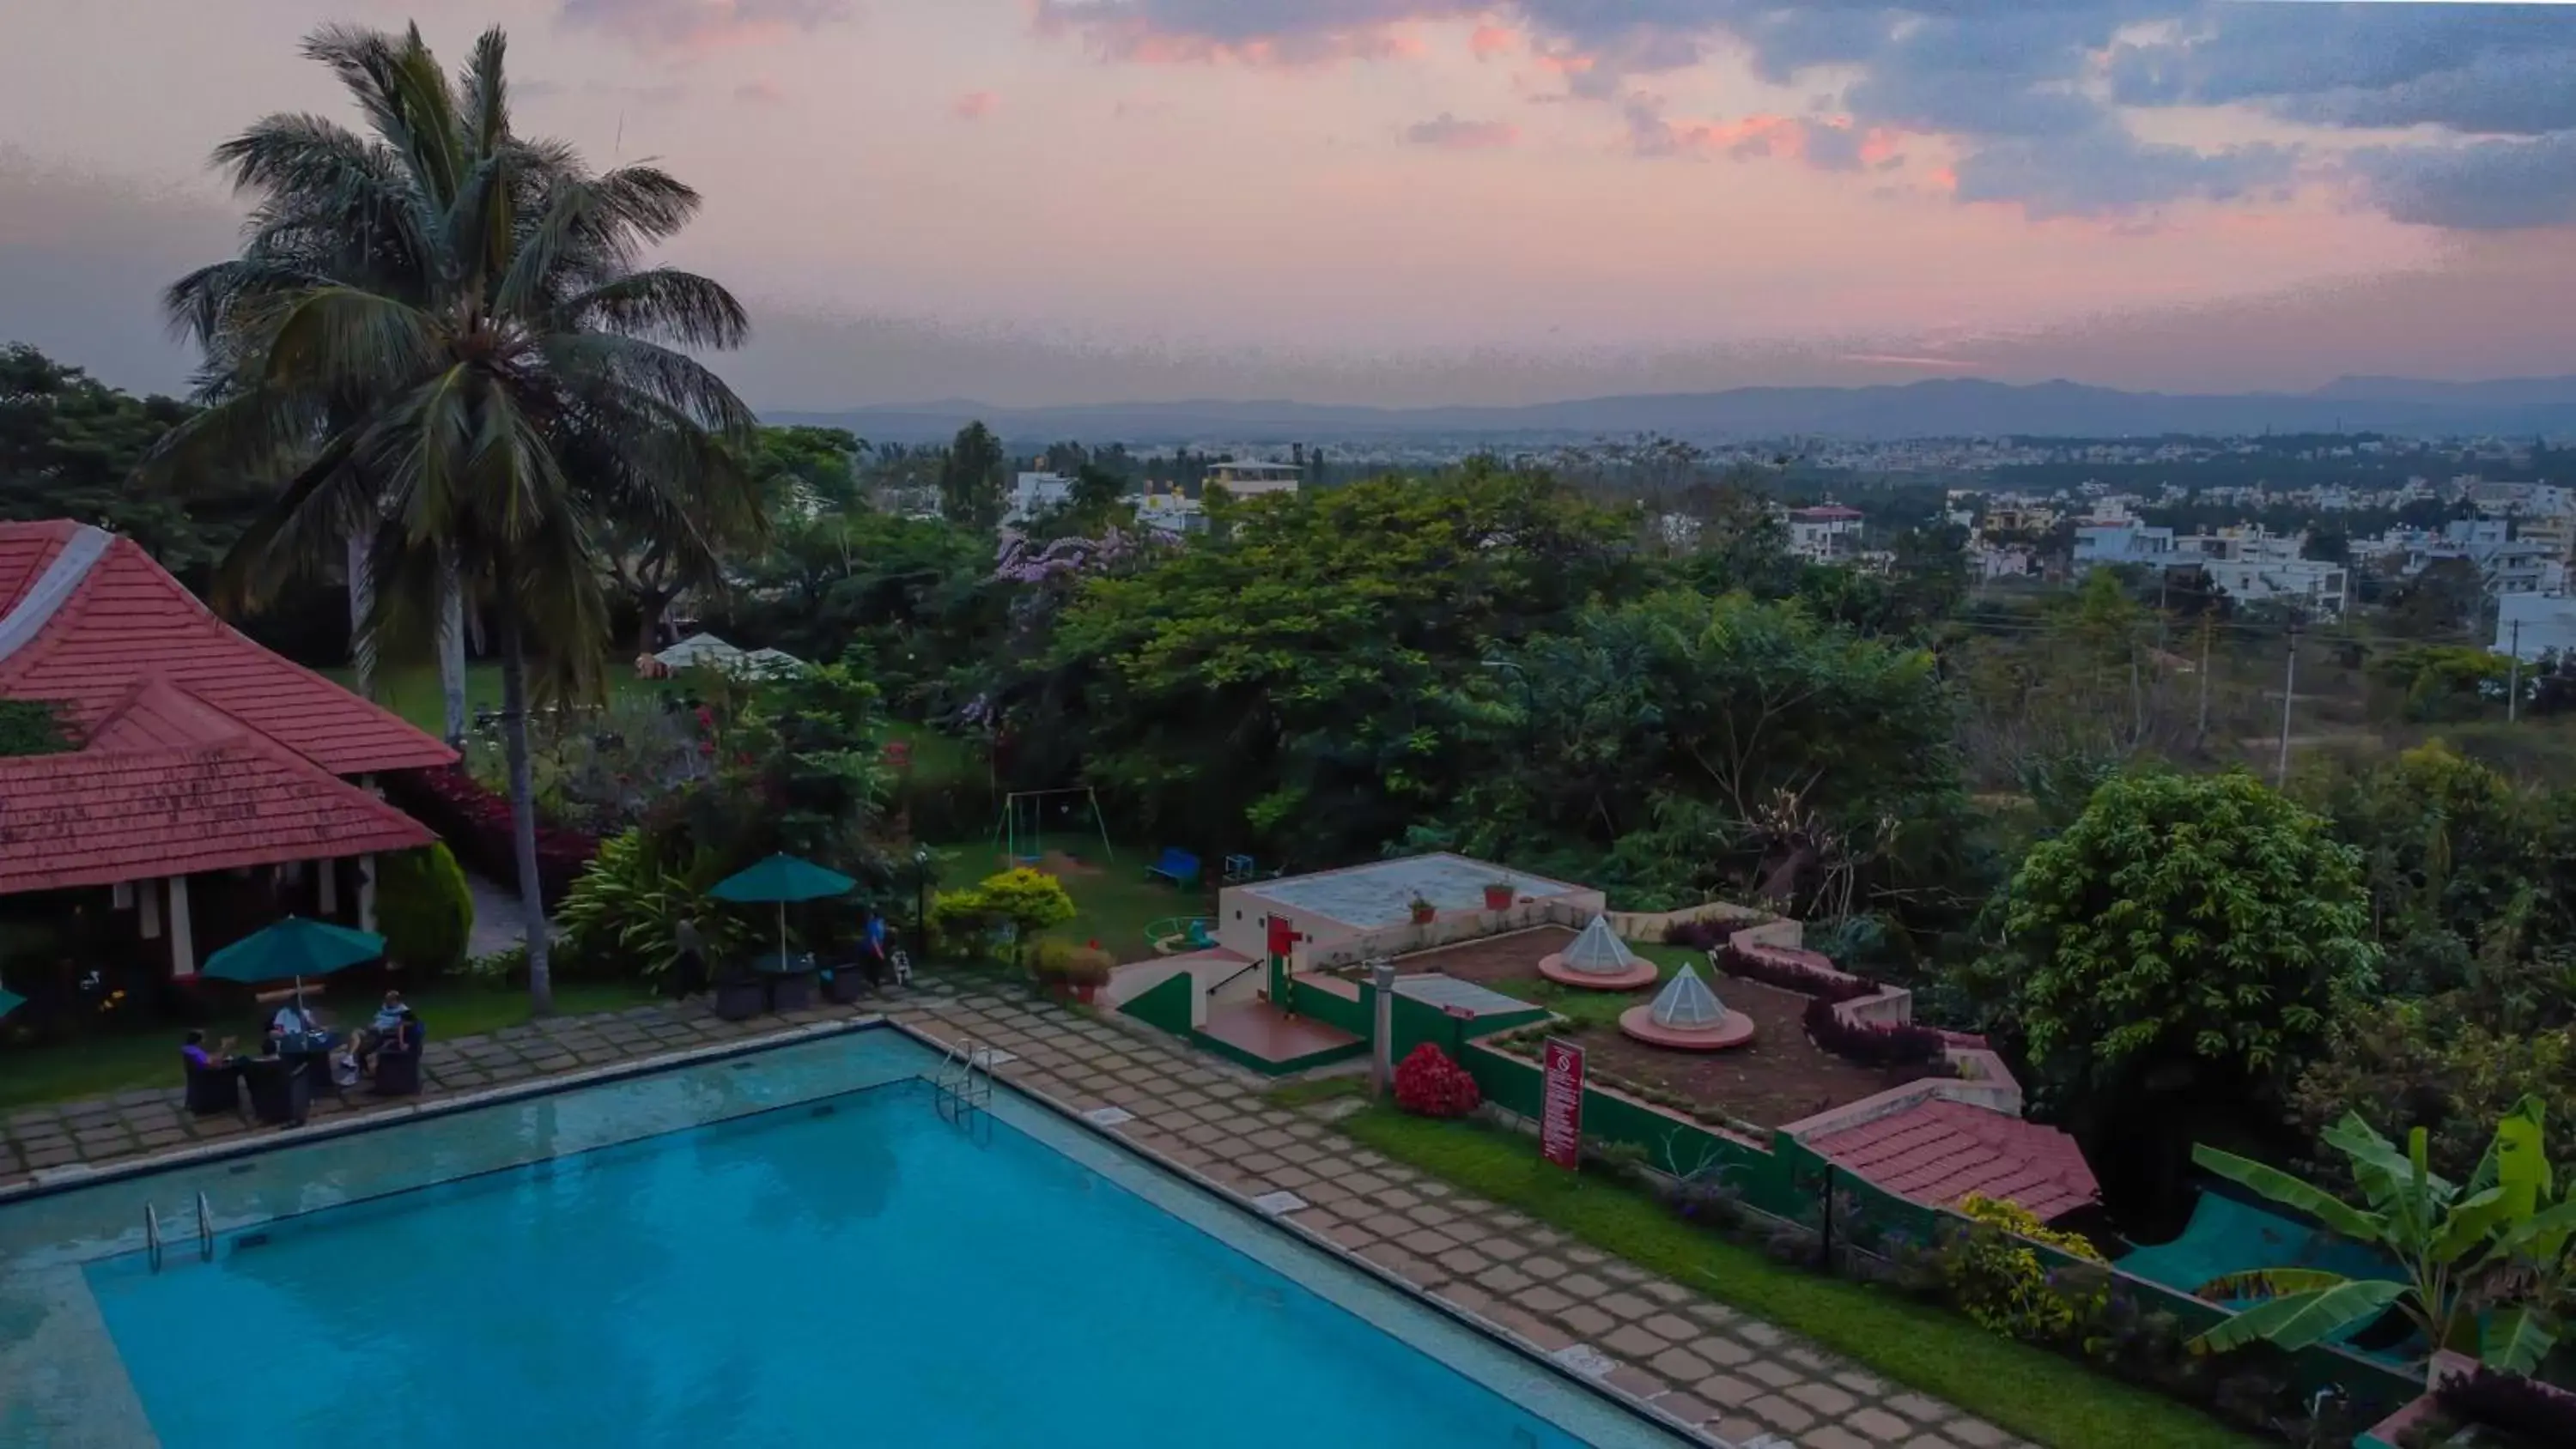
(105, 1130)
(1735, 1380)
(1732, 1378)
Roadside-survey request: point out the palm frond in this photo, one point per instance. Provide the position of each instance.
(661, 304)
(486, 91)
(329, 340)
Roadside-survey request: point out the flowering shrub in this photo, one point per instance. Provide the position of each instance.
(1808, 973)
(1997, 1280)
(1429, 1084)
(1869, 1043)
(475, 821)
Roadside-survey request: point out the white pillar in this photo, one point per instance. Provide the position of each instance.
(366, 893)
(330, 886)
(148, 913)
(183, 939)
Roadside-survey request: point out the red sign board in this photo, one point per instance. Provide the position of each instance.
(1560, 1123)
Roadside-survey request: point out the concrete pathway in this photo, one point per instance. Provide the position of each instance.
(1732, 1379)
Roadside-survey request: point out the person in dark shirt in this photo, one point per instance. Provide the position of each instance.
(689, 964)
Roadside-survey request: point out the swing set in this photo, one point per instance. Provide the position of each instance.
(1027, 814)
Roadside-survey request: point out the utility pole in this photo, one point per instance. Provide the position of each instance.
(2289, 694)
(2513, 691)
(2207, 629)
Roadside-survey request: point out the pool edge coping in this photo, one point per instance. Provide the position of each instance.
(1597, 1388)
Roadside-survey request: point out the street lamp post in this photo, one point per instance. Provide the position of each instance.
(921, 900)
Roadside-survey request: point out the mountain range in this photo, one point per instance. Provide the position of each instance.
(1938, 408)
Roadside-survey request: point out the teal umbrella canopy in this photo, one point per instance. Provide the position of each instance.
(10, 1001)
(782, 878)
(296, 948)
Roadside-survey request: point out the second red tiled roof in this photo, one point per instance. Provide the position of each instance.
(1940, 1151)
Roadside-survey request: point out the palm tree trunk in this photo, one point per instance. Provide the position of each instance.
(451, 649)
(523, 808)
(362, 603)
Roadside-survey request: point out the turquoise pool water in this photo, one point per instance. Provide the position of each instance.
(853, 1271)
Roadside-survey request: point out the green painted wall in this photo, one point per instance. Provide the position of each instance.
(1166, 1006)
(1307, 999)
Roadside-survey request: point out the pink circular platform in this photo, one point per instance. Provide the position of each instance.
(1733, 1029)
(1555, 969)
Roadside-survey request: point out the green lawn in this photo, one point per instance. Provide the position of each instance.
(96, 1066)
(2032, 1393)
(1116, 902)
(413, 691)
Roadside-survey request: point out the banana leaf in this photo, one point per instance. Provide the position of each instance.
(2517, 1339)
(2302, 1320)
(2290, 1192)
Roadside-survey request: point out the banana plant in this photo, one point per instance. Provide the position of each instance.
(2485, 1264)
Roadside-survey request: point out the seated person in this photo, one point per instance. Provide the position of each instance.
(192, 1050)
(293, 1020)
(384, 1031)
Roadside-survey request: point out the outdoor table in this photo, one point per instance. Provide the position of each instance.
(789, 978)
(310, 1052)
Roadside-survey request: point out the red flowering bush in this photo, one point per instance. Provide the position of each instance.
(475, 821)
(1429, 1084)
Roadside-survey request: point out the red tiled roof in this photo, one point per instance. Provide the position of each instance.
(170, 786)
(1939, 1151)
(129, 620)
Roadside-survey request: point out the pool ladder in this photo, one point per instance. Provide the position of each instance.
(154, 1239)
(965, 1081)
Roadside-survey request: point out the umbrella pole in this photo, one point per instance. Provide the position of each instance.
(782, 935)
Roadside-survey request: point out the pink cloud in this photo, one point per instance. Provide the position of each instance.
(975, 105)
(1124, 33)
(1492, 40)
(1449, 133)
(700, 25)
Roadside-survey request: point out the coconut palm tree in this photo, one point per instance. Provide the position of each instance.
(442, 338)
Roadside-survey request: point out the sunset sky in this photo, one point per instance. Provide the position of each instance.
(1408, 201)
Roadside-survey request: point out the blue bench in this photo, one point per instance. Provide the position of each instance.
(1177, 866)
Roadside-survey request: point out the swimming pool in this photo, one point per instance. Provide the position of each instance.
(845, 1267)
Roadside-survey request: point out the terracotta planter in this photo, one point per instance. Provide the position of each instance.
(1498, 897)
(1085, 991)
(1422, 915)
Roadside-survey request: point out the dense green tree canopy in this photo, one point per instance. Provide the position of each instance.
(1293, 679)
(2185, 918)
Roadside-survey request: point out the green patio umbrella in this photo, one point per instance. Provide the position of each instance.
(10, 1001)
(782, 878)
(294, 948)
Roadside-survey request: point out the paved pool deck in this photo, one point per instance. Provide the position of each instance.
(1742, 1382)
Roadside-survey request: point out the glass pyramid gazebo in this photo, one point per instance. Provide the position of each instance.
(1597, 960)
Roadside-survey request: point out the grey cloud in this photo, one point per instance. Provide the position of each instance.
(2497, 185)
(2470, 67)
(2109, 172)
(2020, 87)
(1450, 133)
(692, 24)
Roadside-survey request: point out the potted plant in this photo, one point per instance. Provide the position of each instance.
(1423, 911)
(1498, 895)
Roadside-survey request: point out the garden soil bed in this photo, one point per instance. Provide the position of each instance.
(1777, 1080)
